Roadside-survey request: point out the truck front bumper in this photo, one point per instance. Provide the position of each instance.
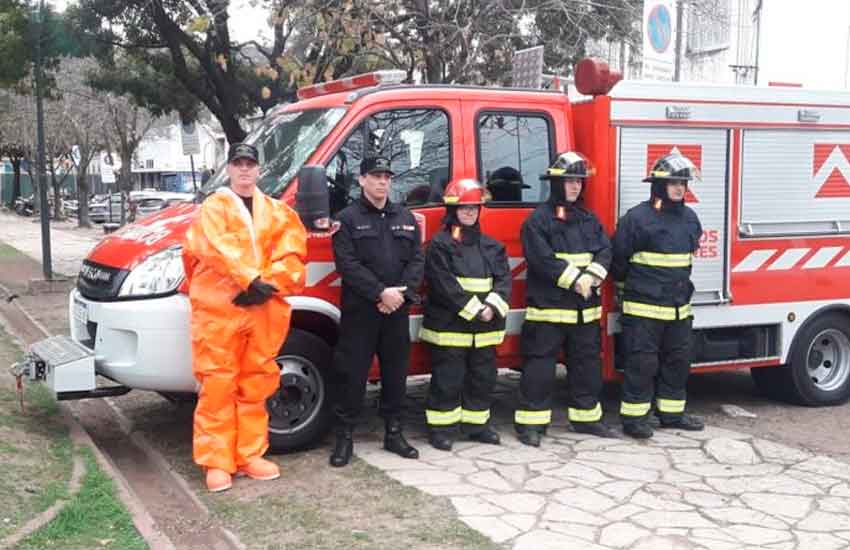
(143, 344)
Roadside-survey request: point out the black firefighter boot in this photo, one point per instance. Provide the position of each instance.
(530, 435)
(639, 429)
(440, 440)
(343, 447)
(395, 442)
(682, 422)
(488, 435)
(599, 429)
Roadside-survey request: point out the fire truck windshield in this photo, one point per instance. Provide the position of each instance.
(285, 141)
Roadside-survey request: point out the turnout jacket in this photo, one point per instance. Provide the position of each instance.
(558, 251)
(653, 257)
(375, 249)
(462, 276)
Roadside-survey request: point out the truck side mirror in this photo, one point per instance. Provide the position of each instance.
(312, 200)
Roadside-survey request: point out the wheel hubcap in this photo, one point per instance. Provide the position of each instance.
(828, 360)
(299, 398)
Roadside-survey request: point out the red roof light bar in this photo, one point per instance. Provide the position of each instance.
(365, 80)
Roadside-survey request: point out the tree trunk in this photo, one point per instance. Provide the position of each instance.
(230, 124)
(57, 199)
(126, 175)
(16, 180)
(83, 196)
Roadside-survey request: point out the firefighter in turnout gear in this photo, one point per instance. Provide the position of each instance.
(568, 255)
(653, 253)
(379, 255)
(469, 286)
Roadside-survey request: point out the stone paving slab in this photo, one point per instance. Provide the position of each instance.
(715, 490)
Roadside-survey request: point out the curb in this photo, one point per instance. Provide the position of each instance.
(142, 442)
(142, 520)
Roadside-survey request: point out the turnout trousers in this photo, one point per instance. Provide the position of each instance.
(657, 364)
(365, 332)
(541, 342)
(461, 389)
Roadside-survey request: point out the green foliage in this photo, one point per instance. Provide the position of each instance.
(175, 55)
(14, 55)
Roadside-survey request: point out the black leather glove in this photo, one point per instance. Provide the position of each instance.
(259, 292)
(263, 288)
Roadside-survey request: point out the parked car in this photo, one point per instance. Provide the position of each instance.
(149, 202)
(107, 208)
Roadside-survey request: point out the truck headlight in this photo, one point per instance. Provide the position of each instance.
(160, 273)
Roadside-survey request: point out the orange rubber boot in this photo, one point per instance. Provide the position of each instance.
(260, 468)
(218, 480)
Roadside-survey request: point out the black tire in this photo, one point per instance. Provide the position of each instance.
(772, 382)
(818, 369)
(300, 411)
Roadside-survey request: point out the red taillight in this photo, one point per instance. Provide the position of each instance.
(366, 80)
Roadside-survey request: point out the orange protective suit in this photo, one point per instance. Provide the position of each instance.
(233, 347)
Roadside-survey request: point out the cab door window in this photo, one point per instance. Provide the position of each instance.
(513, 150)
(417, 143)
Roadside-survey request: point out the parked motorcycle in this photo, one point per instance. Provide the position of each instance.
(25, 206)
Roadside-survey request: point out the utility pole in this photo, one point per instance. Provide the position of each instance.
(757, 14)
(46, 262)
(677, 71)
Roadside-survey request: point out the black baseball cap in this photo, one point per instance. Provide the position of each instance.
(243, 151)
(374, 165)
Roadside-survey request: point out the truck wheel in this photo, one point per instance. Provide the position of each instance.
(300, 411)
(818, 370)
(772, 382)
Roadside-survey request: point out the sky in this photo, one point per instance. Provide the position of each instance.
(804, 42)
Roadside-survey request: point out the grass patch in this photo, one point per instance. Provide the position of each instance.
(37, 457)
(94, 518)
(7, 251)
(35, 449)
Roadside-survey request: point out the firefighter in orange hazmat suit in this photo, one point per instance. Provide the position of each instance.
(243, 254)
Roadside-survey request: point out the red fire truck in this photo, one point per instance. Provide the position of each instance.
(772, 275)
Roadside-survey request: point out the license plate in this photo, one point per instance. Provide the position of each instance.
(81, 312)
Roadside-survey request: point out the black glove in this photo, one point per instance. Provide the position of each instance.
(259, 292)
(263, 288)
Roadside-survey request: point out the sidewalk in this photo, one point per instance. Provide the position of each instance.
(712, 490)
(68, 243)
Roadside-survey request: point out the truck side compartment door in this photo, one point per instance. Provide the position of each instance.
(708, 148)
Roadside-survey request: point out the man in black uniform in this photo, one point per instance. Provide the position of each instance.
(379, 256)
(568, 254)
(653, 252)
(469, 289)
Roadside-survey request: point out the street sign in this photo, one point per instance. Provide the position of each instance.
(189, 139)
(659, 55)
(527, 68)
(107, 173)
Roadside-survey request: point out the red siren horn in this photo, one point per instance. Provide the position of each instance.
(594, 77)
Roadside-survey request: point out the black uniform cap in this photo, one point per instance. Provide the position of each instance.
(374, 165)
(243, 151)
